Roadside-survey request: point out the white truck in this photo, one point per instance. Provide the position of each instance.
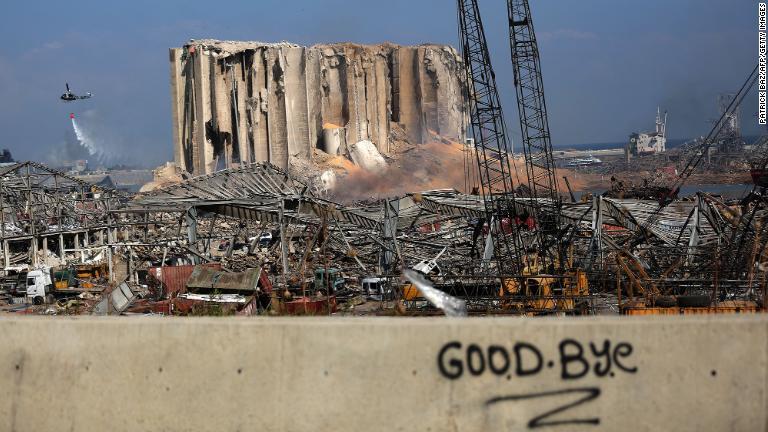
(375, 288)
(39, 285)
(45, 284)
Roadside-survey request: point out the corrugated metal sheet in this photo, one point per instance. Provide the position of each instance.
(207, 279)
(175, 278)
(122, 297)
(116, 301)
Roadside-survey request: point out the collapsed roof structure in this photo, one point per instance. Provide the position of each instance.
(700, 244)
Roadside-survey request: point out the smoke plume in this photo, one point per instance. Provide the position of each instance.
(87, 142)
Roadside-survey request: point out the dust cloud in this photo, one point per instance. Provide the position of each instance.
(435, 165)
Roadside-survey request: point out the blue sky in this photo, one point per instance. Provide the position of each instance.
(607, 64)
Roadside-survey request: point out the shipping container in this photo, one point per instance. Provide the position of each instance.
(174, 279)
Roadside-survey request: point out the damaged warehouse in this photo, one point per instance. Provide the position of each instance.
(254, 239)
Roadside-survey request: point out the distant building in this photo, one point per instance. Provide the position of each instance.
(101, 180)
(5, 156)
(72, 166)
(729, 139)
(583, 162)
(124, 180)
(649, 142)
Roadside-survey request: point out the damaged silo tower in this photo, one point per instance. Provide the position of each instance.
(237, 102)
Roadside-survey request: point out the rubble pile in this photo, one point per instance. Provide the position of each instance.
(256, 239)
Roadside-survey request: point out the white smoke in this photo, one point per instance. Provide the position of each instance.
(86, 141)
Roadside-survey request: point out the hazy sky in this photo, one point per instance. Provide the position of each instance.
(607, 63)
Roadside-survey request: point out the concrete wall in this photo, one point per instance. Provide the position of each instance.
(285, 93)
(511, 374)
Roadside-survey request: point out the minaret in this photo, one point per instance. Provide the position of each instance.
(659, 124)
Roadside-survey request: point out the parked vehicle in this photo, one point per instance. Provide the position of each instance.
(376, 288)
(39, 285)
(333, 283)
(45, 283)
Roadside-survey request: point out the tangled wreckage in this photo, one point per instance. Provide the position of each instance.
(255, 239)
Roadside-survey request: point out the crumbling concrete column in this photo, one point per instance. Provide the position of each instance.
(6, 254)
(300, 143)
(278, 122)
(260, 105)
(177, 107)
(203, 154)
(409, 102)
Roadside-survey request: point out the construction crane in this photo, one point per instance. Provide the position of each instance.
(534, 125)
(490, 139)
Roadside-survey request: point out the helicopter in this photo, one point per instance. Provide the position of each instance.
(68, 96)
